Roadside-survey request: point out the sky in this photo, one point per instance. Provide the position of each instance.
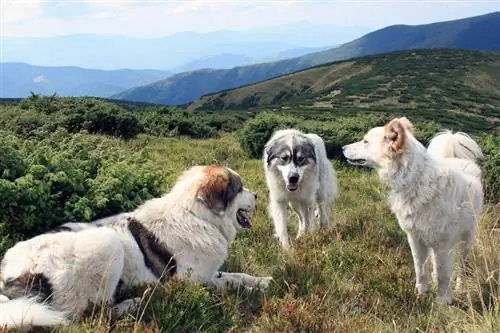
(153, 19)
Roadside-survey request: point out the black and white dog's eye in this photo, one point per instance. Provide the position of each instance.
(284, 158)
(300, 159)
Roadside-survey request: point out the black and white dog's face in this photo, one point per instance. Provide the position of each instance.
(294, 156)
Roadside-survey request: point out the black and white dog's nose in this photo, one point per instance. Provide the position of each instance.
(293, 178)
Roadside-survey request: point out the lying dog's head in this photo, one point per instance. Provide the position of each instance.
(380, 144)
(292, 153)
(221, 190)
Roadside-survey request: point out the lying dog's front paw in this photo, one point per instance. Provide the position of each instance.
(264, 282)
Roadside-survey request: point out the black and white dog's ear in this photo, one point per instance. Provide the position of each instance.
(310, 151)
(270, 151)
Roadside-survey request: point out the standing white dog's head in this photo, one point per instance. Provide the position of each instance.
(292, 153)
(220, 190)
(381, 145)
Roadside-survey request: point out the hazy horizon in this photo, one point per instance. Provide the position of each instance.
(156, 19)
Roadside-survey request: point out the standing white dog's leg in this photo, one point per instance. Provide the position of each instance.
(444, 267)
(464, 248)
(279, 216)
(420, 253)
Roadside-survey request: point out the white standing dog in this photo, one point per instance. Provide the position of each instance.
(53, 278)
(298, 174)
(436, 204)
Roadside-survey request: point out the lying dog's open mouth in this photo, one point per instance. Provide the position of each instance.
(292, 187)
(243, 220)
(356, 161)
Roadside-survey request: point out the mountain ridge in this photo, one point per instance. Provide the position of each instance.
(19, 79)
(475, 33)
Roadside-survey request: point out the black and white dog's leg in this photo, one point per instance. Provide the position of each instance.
(305, 212)
(280, 219)
(323, 216)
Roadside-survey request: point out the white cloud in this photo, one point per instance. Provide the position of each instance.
(39, 79)
(186, 7)
(18, 10)
(152, 18)
(102, 15)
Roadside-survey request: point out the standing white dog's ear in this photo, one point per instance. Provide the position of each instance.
(218, 188)
(406, 124)
(395, 137)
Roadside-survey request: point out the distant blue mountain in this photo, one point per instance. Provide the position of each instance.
(475, 33)
(19, 79)
(224, 60)
(115, 52)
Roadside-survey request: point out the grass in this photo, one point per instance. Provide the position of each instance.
(357, 277)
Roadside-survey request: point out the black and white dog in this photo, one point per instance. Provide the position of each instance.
(299, 174)
(52, 279)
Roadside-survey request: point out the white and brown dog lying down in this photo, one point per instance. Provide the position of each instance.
(51, 279)
(436, 200)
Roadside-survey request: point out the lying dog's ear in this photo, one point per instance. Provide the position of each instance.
(219, 187)
(234, 187)
(395, 136)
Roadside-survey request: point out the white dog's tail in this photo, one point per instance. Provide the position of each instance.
(458, 145)
(25, 312)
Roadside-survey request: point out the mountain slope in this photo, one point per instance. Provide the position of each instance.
(432, 83)
(18, 79)
(477, 33)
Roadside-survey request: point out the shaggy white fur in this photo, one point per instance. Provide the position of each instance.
(436, 204)
(459, 150)
(194, 223)
(298, 174)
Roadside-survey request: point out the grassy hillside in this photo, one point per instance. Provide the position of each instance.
(19, 79)
(357, 277)
(476, 33)
(457, 87)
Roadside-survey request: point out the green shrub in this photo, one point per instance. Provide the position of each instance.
(64, 177)
(37, 116)
(490, 145)
(258, 130)
(111, 121)
(171, 123)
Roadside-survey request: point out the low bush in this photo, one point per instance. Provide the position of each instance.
(336, 132)
(65, 177)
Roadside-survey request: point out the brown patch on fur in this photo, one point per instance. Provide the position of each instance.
(395, 136)
(218, 188)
